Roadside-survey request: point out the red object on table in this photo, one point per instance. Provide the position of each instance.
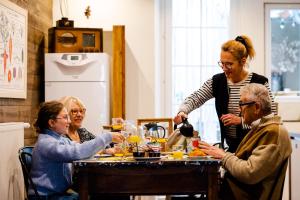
(195, 143)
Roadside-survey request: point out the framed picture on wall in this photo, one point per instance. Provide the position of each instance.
(13, 50)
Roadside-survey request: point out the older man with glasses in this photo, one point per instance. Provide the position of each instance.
(257, 169)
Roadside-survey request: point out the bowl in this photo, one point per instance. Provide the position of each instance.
(154, 154)
(138, 154)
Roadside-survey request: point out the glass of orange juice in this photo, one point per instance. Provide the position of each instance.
(177, 151)
(119, 148)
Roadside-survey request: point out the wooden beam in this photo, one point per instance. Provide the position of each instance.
(118, 72)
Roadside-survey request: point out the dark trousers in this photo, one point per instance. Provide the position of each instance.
(72, 196)
(109, 197)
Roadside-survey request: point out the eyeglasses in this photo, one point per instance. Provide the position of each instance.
(225, 65)
(246, 103)
(76, 111)
(65, 117)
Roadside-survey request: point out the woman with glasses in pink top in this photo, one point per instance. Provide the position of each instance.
(225, 88)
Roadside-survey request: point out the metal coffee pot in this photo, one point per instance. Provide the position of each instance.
(186, 129)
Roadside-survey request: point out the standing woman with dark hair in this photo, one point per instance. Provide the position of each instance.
(225, 88)
(51, 169)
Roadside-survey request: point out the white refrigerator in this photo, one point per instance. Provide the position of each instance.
(84, 75)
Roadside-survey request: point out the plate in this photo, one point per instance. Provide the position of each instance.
(198, 157)
(102, 155)
(146, 158)
(166, 152)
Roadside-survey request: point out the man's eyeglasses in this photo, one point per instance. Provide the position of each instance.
(225, 65)
(76, 111)
(246, 103)
(65, 117)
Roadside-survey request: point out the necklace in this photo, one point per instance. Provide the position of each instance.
(74, 136)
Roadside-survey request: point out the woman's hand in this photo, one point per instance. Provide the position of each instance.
(117, 137)
(212, 150)
(230, 119)
(113, 150)
(178, 118)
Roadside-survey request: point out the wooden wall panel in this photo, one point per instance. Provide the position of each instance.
(25, 110)
(118, 72)
(114, 45)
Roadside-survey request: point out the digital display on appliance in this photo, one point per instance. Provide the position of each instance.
(74, 57)
(88, 40)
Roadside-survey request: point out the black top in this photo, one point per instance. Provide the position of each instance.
(221, 94)
(84, 135)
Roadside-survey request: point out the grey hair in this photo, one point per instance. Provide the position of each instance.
(67, 100)
(260, 94)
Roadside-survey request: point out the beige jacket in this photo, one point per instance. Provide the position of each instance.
(257, 169)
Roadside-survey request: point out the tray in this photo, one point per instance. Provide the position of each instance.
(198, 157)
(146, 158)
(102, 155)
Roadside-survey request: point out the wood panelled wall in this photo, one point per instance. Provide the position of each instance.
(25, 110)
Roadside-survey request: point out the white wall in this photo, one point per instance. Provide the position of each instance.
(247, 18)
(138, 18)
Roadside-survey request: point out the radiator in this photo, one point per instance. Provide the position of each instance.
(11, 176)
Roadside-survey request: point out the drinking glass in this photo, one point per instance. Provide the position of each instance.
(177, 151)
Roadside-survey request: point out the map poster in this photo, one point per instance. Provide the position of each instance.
(13, 50)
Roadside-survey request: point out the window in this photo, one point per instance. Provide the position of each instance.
(283, 47)
(198, 28)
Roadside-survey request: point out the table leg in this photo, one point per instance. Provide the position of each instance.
(83, 187)
(213, 184)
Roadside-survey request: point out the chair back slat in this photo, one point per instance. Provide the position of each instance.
(25, 157)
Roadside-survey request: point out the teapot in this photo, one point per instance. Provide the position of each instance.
(186, 129)
(152, 130)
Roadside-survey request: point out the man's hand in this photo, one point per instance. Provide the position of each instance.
(212, 150)
(230, 119)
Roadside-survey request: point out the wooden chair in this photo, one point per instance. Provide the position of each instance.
(25, 157)
(159, 121)
(277, 188)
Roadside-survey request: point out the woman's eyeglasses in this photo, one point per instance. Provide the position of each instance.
(76, 111)
(225, 65)
(65, 117)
